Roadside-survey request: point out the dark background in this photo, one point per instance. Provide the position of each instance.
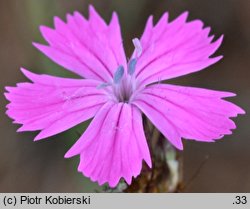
(26, 166)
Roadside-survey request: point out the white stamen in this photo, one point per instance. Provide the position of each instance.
(138, 47)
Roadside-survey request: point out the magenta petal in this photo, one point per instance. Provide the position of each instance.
(115, 40)
(72, 62)
(113, 146)
(193, 113)
(53, 104)
(159, 119)
(174, 49)
(79, 45)
(96, 20)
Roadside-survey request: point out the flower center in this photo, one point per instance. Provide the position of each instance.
(124, 83)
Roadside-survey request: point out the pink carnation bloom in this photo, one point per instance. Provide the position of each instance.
(116, 93)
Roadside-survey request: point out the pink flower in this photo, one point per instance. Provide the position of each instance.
(116, 92)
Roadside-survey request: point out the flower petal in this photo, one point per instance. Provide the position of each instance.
(53, 104)
(174, 49)
(115, 41)
(113, 146)
(89, 48)
(193, 113)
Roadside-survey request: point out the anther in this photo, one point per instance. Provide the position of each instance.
(131, 66)
(118, 74)
(103, 85)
